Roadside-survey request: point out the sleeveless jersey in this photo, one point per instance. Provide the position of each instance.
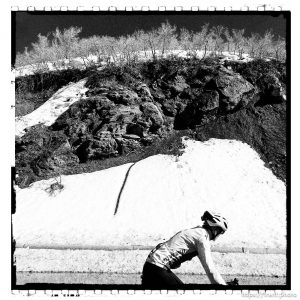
(183, 246)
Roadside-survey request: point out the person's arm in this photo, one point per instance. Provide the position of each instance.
(211, 271)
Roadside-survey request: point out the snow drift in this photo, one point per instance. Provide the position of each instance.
(48, 112)
(161, 195)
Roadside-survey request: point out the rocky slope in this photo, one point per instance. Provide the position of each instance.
(127, 109)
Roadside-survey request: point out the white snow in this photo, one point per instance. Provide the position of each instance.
(48, 112)
(162, 195)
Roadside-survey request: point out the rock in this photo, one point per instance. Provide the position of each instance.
(158, 95)
(196, 83)
(126, 146)
(122, 95)
(205, 73)
(131, 136)
(209, 100)
(98, 148)
(143, 92)
(78, 128)
(169, 107)
(198, 111)
(233, 88)
(124, 114)
(151, 111)
(42, 152)
(271, 87)
(97, 90)
(121, 117)
(103, 148)
(178, 85)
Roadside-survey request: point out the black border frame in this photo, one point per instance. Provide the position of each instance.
(73, 287)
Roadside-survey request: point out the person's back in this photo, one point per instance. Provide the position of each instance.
(183, 246)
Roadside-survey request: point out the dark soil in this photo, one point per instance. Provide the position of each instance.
(264, 128)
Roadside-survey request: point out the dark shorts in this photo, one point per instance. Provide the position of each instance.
(155, 277)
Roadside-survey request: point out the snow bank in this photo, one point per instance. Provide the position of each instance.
(48, 112)
(162, 195)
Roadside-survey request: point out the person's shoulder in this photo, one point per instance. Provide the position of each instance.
(200, 237)
(199, 233)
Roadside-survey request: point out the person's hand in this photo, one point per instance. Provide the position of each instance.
(235, 281)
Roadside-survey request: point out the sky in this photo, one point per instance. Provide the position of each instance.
(27, 25)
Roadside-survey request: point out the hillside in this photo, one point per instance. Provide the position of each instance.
(121, 114)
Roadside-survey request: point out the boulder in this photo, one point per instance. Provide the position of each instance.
(143, 92)
(151, 111)
(232, 89)
(42, 152)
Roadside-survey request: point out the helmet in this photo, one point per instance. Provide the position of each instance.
(215, 220)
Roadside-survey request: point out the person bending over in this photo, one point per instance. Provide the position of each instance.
(183, 246)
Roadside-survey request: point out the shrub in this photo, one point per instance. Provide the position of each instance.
(55, 186)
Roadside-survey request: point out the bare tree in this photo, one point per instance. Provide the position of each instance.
(129, 49)
(217, 32)
(84, 50)
(166, 35)
(153, 42)
(186, 40)
(142, 40)
(238, 41)
(23, 59)
(202, 40)
(66, 41)
(252, 44)
(265, 45)
(95, 47)
(40, 54)
(280, 49)
(229, 40)
(108, 49)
